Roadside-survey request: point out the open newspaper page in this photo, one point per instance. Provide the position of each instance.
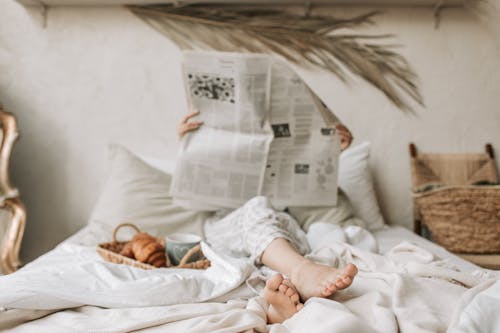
(302, 164)
(223, 162)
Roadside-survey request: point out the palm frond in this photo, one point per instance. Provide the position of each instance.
(305, 40)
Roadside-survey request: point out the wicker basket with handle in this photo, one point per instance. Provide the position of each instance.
(111, 252)
(463, 219)
(461, 216)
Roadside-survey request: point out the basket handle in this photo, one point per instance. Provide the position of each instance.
(413, 150)
(126, 224)
(189, 254)
(489, 150)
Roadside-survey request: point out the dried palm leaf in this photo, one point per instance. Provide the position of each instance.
(305, 40)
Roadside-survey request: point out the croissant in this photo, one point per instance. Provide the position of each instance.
(127, 249)
(145, 248)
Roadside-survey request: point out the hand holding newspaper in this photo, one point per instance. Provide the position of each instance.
(265, 133)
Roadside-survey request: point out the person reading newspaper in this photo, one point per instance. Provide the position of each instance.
(275, 239)
(265, 133)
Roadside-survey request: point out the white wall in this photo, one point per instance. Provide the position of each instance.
(99, 75)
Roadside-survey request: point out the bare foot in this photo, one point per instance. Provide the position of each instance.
(283, 299)
(315, 280)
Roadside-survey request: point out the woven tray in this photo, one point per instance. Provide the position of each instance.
(464, 219)
(111, 252)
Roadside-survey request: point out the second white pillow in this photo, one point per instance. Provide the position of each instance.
(356, 181)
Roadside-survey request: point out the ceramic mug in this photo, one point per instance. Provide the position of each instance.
(179, 244)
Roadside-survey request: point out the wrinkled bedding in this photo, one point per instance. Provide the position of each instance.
(406, 289)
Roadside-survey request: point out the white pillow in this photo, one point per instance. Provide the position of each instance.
(139, 193)
(356, 181)
(165, 165)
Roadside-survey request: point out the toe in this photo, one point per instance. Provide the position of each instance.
(347, 280)
(283, 289)
(339, 283)
(351, 270)
(295, 298)
(288, 283)
(274, 282)
(331, 287)
(290, 292)
(300, 306)
(327, 292)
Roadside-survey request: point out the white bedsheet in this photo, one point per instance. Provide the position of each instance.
(390, 236)
(408, 288)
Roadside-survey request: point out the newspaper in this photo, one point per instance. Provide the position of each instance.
(264, 133)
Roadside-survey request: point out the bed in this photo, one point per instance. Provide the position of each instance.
(405, 284)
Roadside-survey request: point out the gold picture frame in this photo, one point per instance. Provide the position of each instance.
(10, 202)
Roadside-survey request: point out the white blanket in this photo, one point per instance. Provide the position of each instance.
(234, 316)
(406, 290)
(72, 275)
(478, 310)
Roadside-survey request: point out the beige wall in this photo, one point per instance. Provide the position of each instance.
(99, 75)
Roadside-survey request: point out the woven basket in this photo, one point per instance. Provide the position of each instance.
(464, 219)
(111, 252)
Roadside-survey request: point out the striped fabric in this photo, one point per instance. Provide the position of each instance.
(248, 230)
